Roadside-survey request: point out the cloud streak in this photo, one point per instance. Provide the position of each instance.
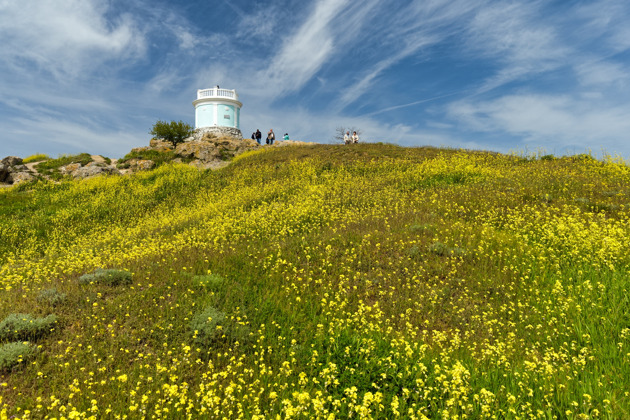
(65, 38)
(304, 53)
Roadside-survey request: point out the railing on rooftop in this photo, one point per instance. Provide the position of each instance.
(217, 93)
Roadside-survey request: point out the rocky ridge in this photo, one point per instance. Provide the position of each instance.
(207, 151)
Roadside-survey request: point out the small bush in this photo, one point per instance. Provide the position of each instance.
(414, 252)
(212, 326)
(421, 227)
(209, 281)
(36, 158)
(174, 132)
(438, 248)
(63, 160)
(12, 354)
(208, 325)
(108, 277)
(444, 250)
(51, 296)
(156, 156)
(583, 157)
(22, 327)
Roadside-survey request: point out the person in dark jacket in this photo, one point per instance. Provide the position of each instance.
(258, 135)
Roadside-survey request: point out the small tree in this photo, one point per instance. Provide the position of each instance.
(174, 132)
(341, 131)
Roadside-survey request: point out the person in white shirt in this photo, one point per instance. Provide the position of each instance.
(346, 138)
(355, 137)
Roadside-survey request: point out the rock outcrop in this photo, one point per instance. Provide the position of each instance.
(13, 171)
(230, 132)
(94, 169)
(204, 150)
(140, 165)
(211, 151)
(159, 145)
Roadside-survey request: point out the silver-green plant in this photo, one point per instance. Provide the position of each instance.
(212, 326)
(209, 281)
(22, 327)
(12, 354)
(108, 277)
(51, 296)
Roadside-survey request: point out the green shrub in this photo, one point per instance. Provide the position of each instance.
(22, 327)
(444, 250)
(156, 156)
(421, 227)
(414, 252)
(212, 326)
(209, 281)
(51, 167)
(208, 325)
(108, 277)
(63, 160)
(36, 158)
(583, 157)
(12, 354)
(438, 248)
(51, 296)
(174, 132)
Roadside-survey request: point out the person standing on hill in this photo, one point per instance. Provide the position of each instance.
(258, 135)
(355, 137)
(346, 138)
(254, 136)
(270, 137)
(286, 137)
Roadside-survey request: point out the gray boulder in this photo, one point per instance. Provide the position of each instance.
(140, 164)
(70, 168)
(201, 150)
(12, 171)
(5, 171)
(19, 168)
(17, 177)
(11, 161)
(94, 169)
(160, 145)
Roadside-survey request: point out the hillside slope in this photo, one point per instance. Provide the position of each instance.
(370, 281)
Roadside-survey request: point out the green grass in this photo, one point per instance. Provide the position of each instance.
(158, 157)
(51, 167)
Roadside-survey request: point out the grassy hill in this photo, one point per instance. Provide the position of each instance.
(370, 281)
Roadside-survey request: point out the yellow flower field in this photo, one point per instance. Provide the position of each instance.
(370, 281)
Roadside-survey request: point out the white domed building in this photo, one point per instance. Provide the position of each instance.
(218, 111)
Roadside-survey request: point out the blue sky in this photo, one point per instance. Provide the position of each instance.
(94, 75)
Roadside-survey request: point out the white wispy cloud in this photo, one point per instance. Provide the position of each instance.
(606, 20)
(602, 73)
(552, 120)
(73, 137)
(304, 52)
(65, 37)
(518, 39)
(404, 33)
